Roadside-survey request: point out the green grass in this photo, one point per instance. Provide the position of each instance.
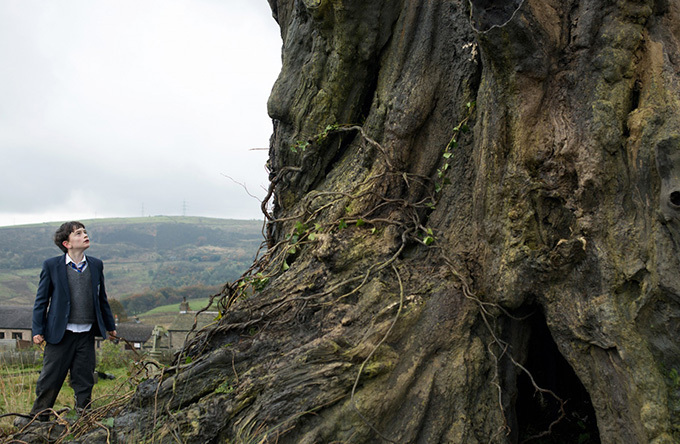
(194, 304)
(17, 391)
(15, 284)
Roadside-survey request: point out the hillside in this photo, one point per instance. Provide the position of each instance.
(140, 254)
(164, 315)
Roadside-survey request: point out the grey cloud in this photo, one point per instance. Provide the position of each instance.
(137, 104)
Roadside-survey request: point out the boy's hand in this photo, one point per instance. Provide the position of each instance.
(112, 334)
(38, 339)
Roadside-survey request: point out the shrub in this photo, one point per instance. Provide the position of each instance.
(112, 356)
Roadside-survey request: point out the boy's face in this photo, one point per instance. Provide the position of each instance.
(77, 240)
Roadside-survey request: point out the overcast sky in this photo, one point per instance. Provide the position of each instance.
(112, 108)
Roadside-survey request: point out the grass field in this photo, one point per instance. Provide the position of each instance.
(17, 388)
(194, 304)
(165, 315)
(16, 284)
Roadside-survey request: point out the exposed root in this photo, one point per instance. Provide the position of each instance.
(370, 355)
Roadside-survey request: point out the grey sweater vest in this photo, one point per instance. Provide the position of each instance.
(82, 302)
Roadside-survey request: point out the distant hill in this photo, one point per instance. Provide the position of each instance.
(140, 254)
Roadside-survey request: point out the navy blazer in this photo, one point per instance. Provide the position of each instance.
(53, 300)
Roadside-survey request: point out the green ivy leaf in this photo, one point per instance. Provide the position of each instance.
(260, 282)
(342, 225)
(300, 228)
(428, 240)
(360, 222)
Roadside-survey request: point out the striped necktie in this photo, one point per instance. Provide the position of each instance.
(79, 268)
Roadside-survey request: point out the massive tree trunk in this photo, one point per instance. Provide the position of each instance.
(429, 284)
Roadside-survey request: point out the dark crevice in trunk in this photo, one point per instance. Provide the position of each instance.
(369, 94)
(536, 411)
(635, 96)
(343, 144)
(634, 104)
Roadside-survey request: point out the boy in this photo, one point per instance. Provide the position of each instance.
(70, 308)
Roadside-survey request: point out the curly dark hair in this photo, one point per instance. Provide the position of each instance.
(64, 231)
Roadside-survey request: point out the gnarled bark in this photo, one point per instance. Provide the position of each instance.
(551, 292)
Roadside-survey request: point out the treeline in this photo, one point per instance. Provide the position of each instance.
(143, 302)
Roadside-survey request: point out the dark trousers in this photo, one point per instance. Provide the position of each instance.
(75, 353)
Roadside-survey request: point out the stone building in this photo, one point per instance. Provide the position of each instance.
(183, 323)
(15, 322)
(134, 335)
